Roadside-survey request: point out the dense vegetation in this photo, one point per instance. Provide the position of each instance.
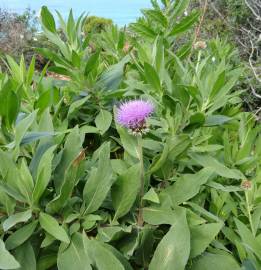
(80, 191)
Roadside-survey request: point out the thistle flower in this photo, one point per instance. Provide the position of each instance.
(200, 45)
(246, 185)
(133, 115)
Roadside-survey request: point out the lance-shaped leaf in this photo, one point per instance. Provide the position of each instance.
(50, 224)
(99, 182)
(74, 257)
(172, 253)
(125, 191)
(44, 172)
(7, 261)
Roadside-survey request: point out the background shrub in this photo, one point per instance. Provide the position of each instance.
(96, 24)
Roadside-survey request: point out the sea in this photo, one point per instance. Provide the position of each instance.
(122, 12)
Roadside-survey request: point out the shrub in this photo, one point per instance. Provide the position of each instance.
(96, 24)
(89, 179)
(17, 32)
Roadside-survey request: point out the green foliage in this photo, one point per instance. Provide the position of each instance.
(95, 24)
(72, 179)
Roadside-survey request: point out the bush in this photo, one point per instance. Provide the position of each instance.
(238, 22)
(83, 187)
(96, 24)
(17, 32)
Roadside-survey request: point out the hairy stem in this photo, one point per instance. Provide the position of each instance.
(249, 213)
(140, 213)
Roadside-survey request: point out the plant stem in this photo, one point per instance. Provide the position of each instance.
(140, 214)
(249, 213)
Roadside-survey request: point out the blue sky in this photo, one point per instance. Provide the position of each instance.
(121, 11)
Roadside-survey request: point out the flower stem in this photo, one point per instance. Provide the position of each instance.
(249, 212)
(140, 151)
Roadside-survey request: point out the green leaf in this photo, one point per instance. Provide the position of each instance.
(14, 69)
(215, 261)
(21, 129)
(151, 196)
(179, 8)
(196, 120)
(147, 241)
(152, 77)
(129, 142)
(50, 224)
(76, 59)
(48, 240)
(26, 180)
(74, 257)
(89, 129)
(47, 261)
(71, 150)
(12, 192)
(47, 19)
(216, 166)
(67, 188)
(70, 28)
(216, 120)
(16, 218)
(185, 24)
(157, 216)
(31, 137)
(91, 63)
(7, 261)
(48, 99)
(112, 233)
(203, 212)
(159, 160)
(187, 186)
(172, 253)
(143, 30)
(111, 79)
(10, 104)
(202, 236)
(76, 105)
(99, 182)
(30, 73)
(20, 236)
(7, 202)
(207, 148)
(119, 166)
(60, 70)
(53, 56)
(103, 121)
(248, 239)
(119, 256)
(18, 183)
(26, 257)
(44, 172)
(219, 83)
(125, 191)
(157, 16)
(101, 255)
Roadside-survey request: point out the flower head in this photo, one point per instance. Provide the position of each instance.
(246, 184)
(133, 115)
(200, 45)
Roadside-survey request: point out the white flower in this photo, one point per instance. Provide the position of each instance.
(186, 13)
(21, 36)
(213, 59)
(35, 39)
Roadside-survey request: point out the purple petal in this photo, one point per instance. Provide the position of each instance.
(134, 113)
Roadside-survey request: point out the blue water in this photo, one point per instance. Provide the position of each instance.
(120, 11)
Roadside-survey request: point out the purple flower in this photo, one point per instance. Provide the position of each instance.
(133, 114)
